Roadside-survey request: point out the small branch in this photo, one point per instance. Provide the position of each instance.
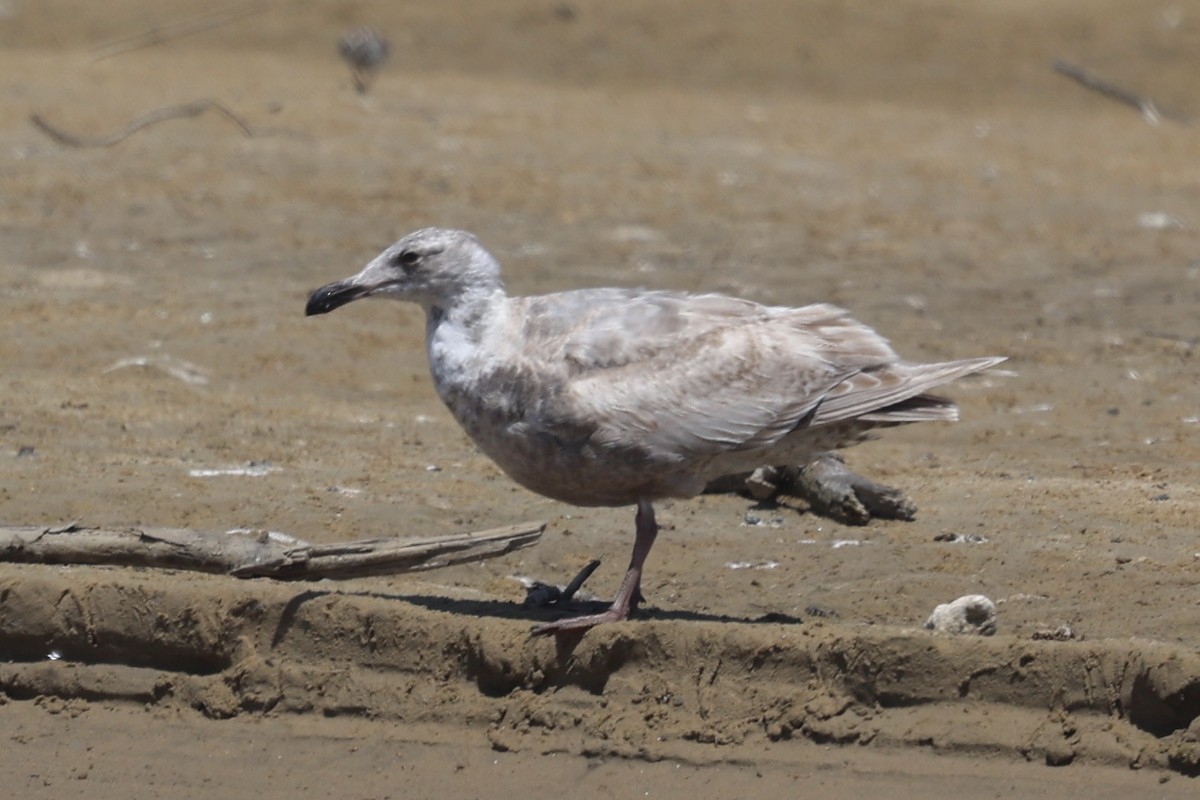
(539, 594)
(1144, 104)
(1188, 341)
(254, 554)
(186, 111)
(176, 30)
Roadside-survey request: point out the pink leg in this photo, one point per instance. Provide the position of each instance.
(630, 593)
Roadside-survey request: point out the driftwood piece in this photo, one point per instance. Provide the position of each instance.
(830, 488)
(840, 494)
(256, 554)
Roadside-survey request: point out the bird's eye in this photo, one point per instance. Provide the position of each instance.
(407, 259)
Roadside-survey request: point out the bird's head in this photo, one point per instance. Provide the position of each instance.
(433, 267)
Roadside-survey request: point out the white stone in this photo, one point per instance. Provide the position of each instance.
(969, 614)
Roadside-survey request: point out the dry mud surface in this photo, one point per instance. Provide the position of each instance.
(918, 162)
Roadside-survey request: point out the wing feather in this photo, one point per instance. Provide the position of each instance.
(686, 376)
(896, 393)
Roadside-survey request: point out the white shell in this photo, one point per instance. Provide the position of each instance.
(969, 614)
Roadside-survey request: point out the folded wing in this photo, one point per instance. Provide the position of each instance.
(682, 376)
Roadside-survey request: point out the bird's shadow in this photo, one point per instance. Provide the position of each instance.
(502, 609)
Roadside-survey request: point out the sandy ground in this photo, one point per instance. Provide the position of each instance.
(921, 164)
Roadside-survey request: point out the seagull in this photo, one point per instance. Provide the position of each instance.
(621, 397)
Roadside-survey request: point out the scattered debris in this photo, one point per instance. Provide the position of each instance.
(752, 564)
(253, 469)
(1063, 633)
(175, 367)
(366, 50)
(969, 614)
(960, 538)
(755, 521)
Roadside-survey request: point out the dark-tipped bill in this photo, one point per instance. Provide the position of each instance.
(334, 295)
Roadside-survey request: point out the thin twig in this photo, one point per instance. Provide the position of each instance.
(1144, 104)
(176, 30)
(186, 111)
(568, 592)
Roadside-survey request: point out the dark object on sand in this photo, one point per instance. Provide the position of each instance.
(366, 50)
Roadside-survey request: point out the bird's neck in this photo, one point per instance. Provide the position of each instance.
(454, 331)
(468, 310)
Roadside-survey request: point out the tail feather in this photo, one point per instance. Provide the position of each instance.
(897, 393)
(922, 408)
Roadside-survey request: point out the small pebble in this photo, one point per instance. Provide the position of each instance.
(1063, 633)
(961, 538)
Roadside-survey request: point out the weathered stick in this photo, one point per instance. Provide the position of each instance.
(185, 111)
(255, 554)
(1145, 105)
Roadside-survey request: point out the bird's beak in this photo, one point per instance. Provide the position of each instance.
(337, 294)
(375, 278)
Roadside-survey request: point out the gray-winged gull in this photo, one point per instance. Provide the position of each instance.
(611, 397)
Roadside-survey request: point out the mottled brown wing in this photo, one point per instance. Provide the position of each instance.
(682, 377)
